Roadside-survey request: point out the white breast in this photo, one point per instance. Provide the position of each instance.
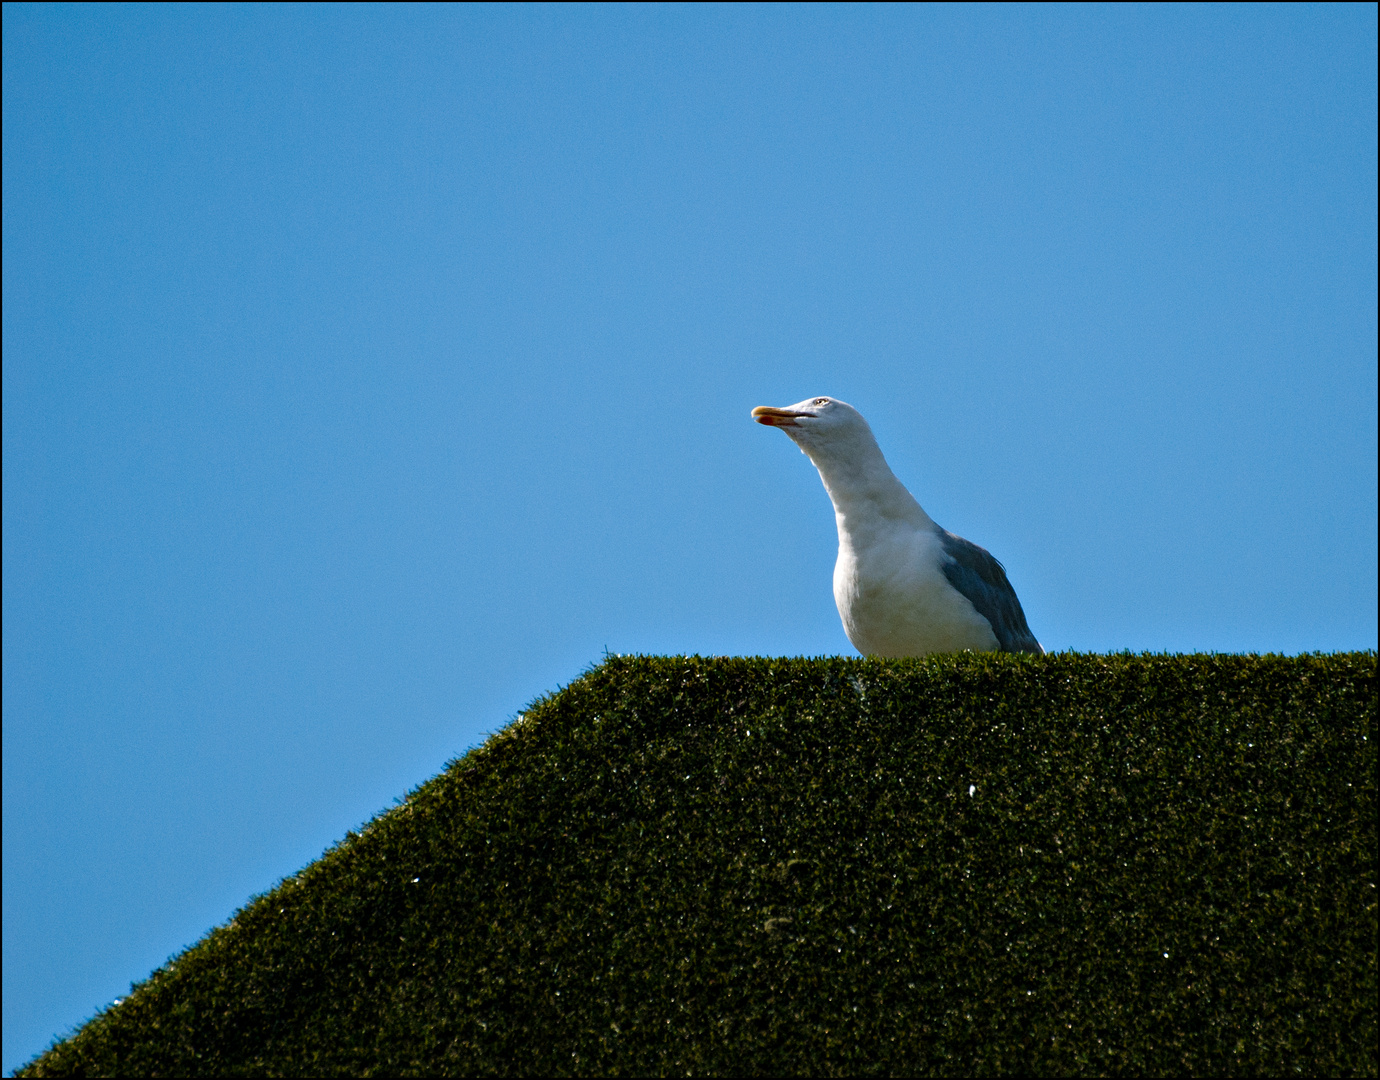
(894, 599)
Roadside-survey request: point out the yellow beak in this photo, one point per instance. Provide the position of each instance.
(765, 414)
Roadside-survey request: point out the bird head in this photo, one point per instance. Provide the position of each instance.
(841, 445)
(816, 424)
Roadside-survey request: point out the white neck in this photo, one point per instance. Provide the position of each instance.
(865, 492)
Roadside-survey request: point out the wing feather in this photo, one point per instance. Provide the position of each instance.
(982, 579)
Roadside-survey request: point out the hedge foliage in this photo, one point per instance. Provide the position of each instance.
(1073, 864)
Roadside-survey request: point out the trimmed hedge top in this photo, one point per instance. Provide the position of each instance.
(960, 865)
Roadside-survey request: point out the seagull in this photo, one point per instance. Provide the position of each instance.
(903, 585)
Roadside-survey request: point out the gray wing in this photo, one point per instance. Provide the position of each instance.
(973, 572)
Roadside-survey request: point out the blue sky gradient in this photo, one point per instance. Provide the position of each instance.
(369, 371)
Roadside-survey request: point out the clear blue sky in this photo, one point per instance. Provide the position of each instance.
(370, 371)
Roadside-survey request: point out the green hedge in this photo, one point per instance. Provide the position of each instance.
(1072, 864)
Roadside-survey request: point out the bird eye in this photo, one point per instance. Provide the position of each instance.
(820, 401)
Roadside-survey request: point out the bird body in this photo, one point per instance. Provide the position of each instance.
(903, 585)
